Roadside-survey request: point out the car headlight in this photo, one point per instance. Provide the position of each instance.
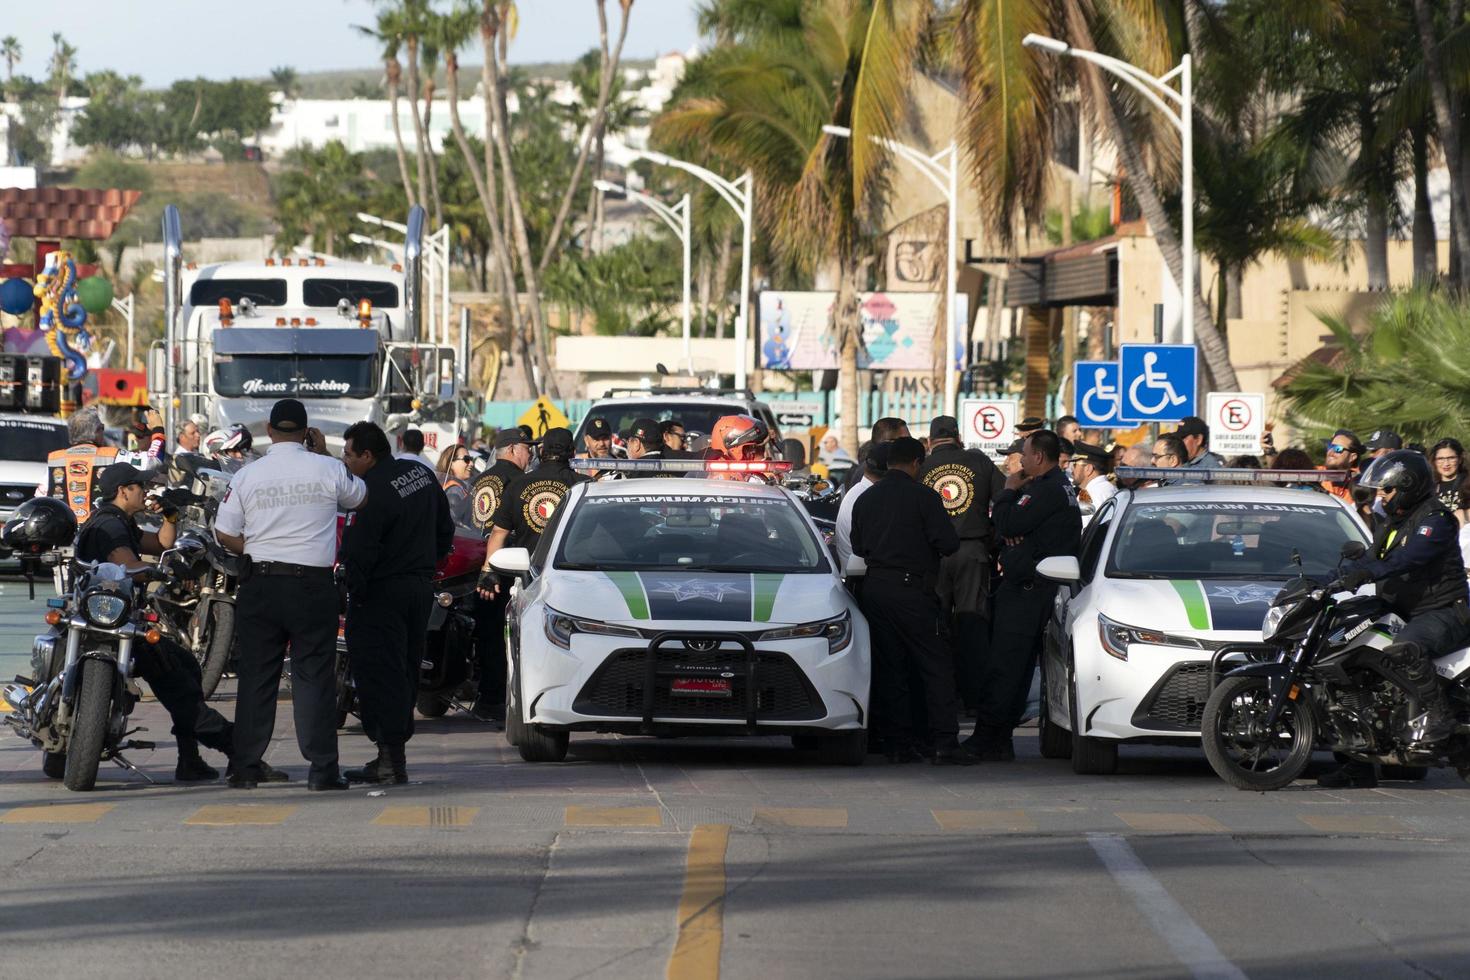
(560, 627)
(838, 632)
(1273, 619)
(1115, 637)
(105, 610)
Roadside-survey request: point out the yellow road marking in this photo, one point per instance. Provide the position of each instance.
(239, 815)
(1012, 821)
(58, 813)
(1349, 824)
(1173, 823)
(800, 816)
(701, 907)
(613, 816)
(426, 816)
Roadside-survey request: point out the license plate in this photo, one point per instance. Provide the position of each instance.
(700, 687)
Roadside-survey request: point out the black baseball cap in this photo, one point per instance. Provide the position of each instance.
(1089, 451)
(646, 431)
(598, 428)
(288, 415)
(905, 449)
(1385, 439)
(1013, 448)
(944, 427)
(506, 438)
(557, 442)
(1030, 424)
(116, 476)
(1192, 425)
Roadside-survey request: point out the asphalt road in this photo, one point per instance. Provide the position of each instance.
(697, 858)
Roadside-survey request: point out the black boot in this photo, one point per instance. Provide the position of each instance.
(191, 767)
(1433, 722)
(398, 762)
(374, 771)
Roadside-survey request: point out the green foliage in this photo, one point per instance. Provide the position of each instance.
(1411, 369)
(104, 170)
(318, 196)
(1089, 223)
(626, 289)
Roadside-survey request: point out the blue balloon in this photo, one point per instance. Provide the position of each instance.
(16, 296)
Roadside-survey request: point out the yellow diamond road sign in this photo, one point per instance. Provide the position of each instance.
(542, 416)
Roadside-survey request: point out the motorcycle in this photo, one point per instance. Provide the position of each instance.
(76, 704)
(450, 671)
(1320, 678)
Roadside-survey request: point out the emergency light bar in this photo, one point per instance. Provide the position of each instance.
(753, 466)
(1187, 474)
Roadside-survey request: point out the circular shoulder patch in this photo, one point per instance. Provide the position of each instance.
(484, 503)
(955, 485)
(539, 501)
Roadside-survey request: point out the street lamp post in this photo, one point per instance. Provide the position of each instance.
(1151, 88)
(677, 218)
(740, 195)
(944, 176)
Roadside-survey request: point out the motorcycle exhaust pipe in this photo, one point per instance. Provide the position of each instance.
(16, 696)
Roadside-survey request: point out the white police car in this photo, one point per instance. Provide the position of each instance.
(1166, 576)
(682, 606)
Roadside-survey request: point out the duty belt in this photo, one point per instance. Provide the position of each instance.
(927, 582)
(285, 568)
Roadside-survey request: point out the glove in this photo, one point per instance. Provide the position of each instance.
(1352, 581)
(489, 581)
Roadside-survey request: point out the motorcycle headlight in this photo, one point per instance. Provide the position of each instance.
(838, 632)
(1273, 619)
(560, 627)
(105, 610)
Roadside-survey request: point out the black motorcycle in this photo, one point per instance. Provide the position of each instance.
(1321, 678)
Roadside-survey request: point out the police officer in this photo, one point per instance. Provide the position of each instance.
(71, 473)
(1416, 561)
(1090, 468)
(1036, 516)
(528, 503)
(597, 443)
(901, 530)
(965, 481)
(645, 440)
(512, 458)
(281, 510)
(112, 534)
(390, 548)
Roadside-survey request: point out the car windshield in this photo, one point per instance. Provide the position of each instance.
(30, 442)
(1230, 539)
(645, 532)
(296, 376)
(695, 416)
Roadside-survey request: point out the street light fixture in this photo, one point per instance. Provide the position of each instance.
(944, 175)
(677, 218)
(740, 195)
(1151, 88)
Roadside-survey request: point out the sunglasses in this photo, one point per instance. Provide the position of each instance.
(463, 459)
(1335, 448)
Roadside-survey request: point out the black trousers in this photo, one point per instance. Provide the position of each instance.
(174, 677)
(1015, 646)
(1436, 632)
(964, 594)
(908, 639)
(386, 627)
(272, 611)
(490, 646)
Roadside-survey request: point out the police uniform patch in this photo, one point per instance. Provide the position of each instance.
(955, 486)
(540, 500)
(486, 500)
(1025, 499)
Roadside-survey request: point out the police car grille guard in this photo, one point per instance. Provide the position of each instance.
(650, 670)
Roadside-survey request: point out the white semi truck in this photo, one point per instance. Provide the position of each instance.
(346, 338)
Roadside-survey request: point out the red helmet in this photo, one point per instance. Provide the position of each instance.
(739, 436)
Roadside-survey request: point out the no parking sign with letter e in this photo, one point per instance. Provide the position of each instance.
(988, 424)
(1237, 421)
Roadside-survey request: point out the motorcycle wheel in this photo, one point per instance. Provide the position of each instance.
(431, 705)
(89, 726)
(218, 641)
(53, 764)
(1237, 755)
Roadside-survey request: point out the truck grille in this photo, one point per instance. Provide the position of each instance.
(783, 692)
(1177, 702)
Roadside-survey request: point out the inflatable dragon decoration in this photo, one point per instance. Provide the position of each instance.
(63, 318)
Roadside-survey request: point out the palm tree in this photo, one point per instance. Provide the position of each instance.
(765, 100)
(320, 195)
(286, 81)
(388, 31)
(63, 65)
(1448, 101)
(10, 50)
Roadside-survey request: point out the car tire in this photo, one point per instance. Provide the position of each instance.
(515, 725)
(1056, 741)
(539, 745)
(846, 749)
(1090, 756)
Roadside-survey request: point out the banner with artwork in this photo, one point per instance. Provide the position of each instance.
(898, 330)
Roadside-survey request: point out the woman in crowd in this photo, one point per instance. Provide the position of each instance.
(1450, 480)
(454, 475)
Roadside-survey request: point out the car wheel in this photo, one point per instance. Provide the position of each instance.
(515, 726)
(846, 749)
(1091, 756)
(539, 745)
(1056, 741)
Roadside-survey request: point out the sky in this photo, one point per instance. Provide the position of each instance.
(165, 40)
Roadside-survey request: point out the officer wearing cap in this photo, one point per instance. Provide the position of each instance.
(1036, 516)
(529, 502)
(1090, 468)
(966, 481)
(597, 443)
(900, 528)
(111, 534)
(281, 510)
(390, 548)
(1382, 442)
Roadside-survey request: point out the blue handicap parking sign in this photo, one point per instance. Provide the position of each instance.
(1097, 395)
(1158, 382)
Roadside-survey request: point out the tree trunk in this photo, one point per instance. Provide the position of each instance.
(438, 207)
(722, 282)
(1375, 242)
(1426, 245)
(846, 325)
(393, 72)
(1234, 297)
(418, 124)
(704, 291)
(1447, 115)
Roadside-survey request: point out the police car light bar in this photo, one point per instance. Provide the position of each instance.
(1181, 475)
(682, 465)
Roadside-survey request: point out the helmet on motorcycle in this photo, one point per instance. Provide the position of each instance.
(1403, 471)
(739, 436)
(235, 439)
(40, 524)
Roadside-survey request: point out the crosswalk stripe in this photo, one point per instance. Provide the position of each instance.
(57, 813)
(701, 920)
(828, 818)
(613, 816)
(239, 815)
(1346, 823)
(426, 816)
(1173, 823)
(1005, 821)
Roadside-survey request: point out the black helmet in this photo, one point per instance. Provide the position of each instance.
(1402, 470)
(40, 524)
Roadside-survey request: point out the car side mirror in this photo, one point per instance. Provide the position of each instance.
(1353, 550)
(1060, 568)
(511, 561)
(856, 567)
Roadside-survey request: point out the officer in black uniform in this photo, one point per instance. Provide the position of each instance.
(1036, 516)
(966, 481)
(528, 503)
(111, 534)
(390, 548)
(1417, 564)
(512, 457)
(900, 529)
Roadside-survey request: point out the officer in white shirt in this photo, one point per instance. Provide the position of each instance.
(1090, 467)
(281, 510)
